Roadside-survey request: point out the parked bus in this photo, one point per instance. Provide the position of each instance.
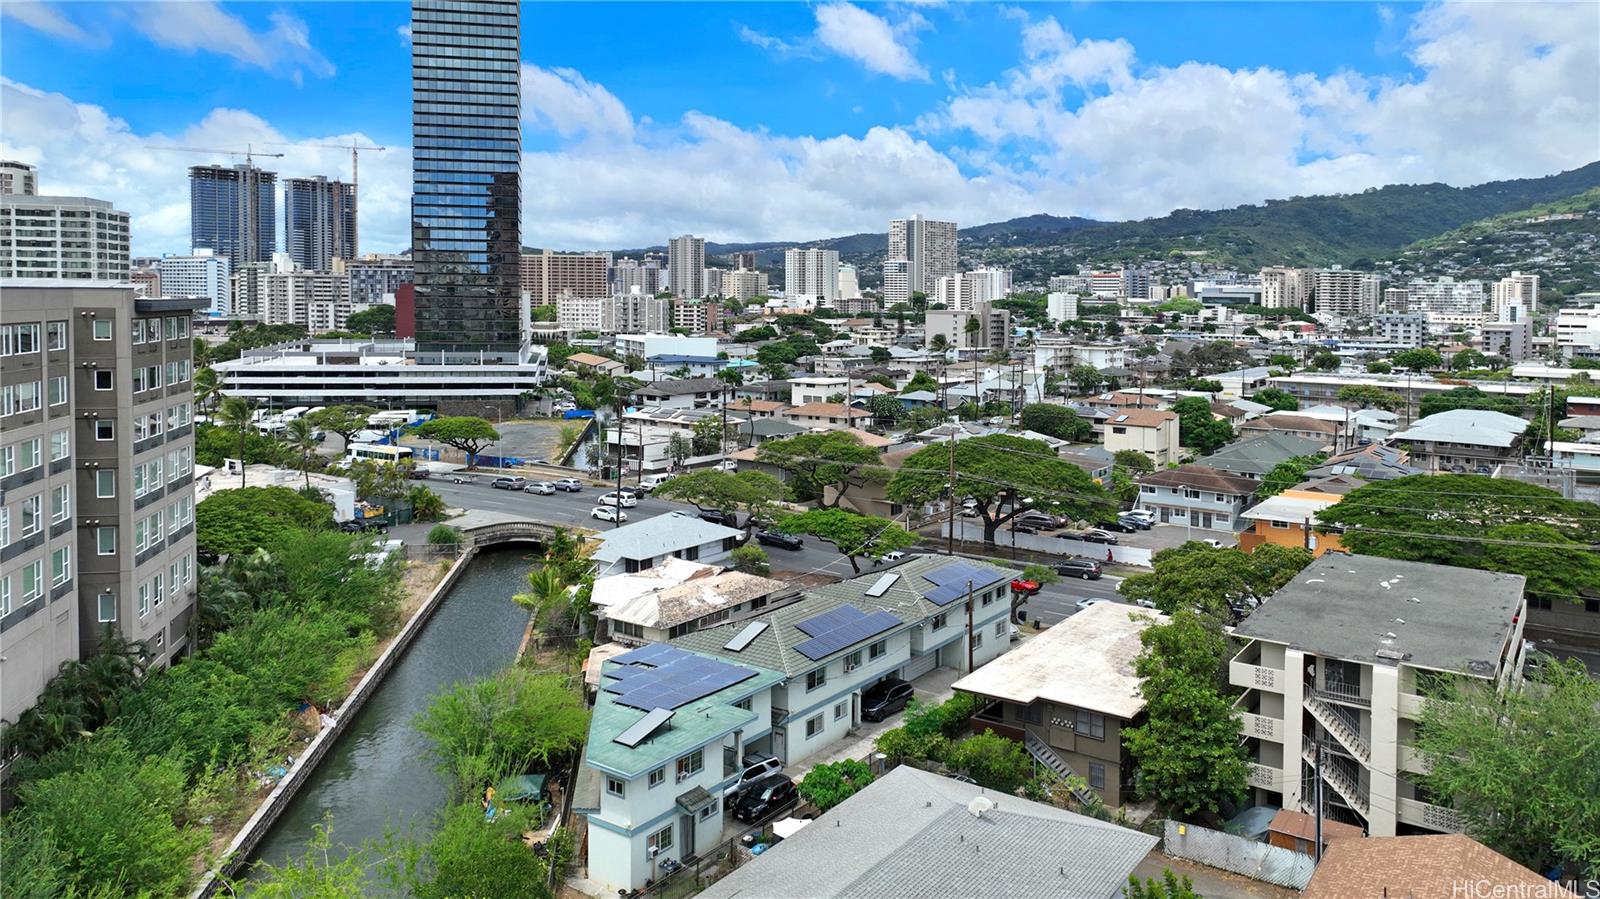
(374, 452)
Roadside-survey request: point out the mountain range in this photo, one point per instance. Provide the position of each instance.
(1344, 229)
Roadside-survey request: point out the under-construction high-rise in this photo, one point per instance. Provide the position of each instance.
(232, 212)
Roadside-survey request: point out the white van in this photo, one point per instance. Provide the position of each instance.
(651, 481)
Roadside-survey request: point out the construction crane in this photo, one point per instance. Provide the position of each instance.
(249, 227)
(355, 179)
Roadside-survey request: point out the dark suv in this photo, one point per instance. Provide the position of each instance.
(884, 698)
(1088, 569)
(765, 797)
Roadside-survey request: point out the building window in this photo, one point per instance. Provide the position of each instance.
(817, 678)
(56, 336)
(708, 811)
(105, 429)
(32, 455)
(105, 484)
(5, 596)
(940, 620)
(658, 777)
(102, 329)
(1000, 628)
(840, 709)
(878, 650)
(744, 703)
(60, 504)
(852, 661)
(691, 764)
(58, 390)
(32, 515)
(813, 726)
(660, 841)
(5, 526)
(1091, 725)
(105, 541)
(977, 639)
(60, 445)
(32, 581)
(61, 566)
(615, 787)
(8, 461)
(1097, 776)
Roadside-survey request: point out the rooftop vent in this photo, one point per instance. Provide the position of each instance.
(979, 805)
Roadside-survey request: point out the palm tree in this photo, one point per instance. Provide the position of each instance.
(547, 593)
(235, 415)
(207, 387)
(300, 437)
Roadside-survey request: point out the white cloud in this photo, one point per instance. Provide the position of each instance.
(193, 27)
(854, 33)
(563, 101)
(43, 17)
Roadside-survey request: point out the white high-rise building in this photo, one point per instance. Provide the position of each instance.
(1061, 305)
(1515, 288)
(1448, 303)
(639, 313)
(744, 284)
(1106, 284)
(279, 293)
(686, 266)
(628, 275)
(1577, 332)
(62, 239)
(811, 273)
(711, 281)
(964, 291)
(1347, 294)
(1283, 288)
(928, 246)
(18, 178)
(896, 282)
(205, 273)
(1396, 300)
(849, 284)
(1069, 284)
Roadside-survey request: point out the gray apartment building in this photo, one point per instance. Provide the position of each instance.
(96, 469)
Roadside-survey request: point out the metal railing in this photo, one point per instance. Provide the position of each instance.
(1346, 788)
(1341, 729)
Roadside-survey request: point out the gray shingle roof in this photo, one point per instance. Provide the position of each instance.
(910, 833)
(1258, 455)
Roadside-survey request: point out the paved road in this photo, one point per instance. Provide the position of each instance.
(1055, 602)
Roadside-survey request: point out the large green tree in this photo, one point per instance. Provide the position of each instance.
(346, 420)
(1198, 576)
(1466, 398)
(372, 320)
(241, 520)
(1418, 360)
(1365, 396)
(1054, 420)
(1198, 429)
(514, 721)
(755, 493)
(921, 381)
(1288, 473)
(855, 536)
(829, 784)
(1188, 752)
(1473, 521)
(1522, 767)
(815, 462)
(467, 433)
(1004, 475)
(1279, 399)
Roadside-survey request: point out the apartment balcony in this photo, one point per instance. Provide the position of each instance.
(1255, 677)
(1334, 691)
(1265, 776)
(1261, 726)
(1410, 706)
(1426, 814)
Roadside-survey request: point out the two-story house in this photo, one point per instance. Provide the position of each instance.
(1068, 693)
(644, 544)
(843, 638)
(1198, 497)
(1344, 657)
(684, 393)
(1153, 432)
(1290, 518)
(826, 416)
(1255, 457)
(1320, 430)
(1463, 440)
(677, 597)
(816, 389)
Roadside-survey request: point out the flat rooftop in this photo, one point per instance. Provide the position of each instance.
(1430, 616)
(1086, 661)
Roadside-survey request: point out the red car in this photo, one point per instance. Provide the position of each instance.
(1026, 588)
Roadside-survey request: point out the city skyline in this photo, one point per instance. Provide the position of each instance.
(844, 116)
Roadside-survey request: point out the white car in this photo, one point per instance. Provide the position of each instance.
(728, 465)
(625, 500)
(1090, 601)
(895, 556)
(542, 488)
(608, 513)
(1144, 515)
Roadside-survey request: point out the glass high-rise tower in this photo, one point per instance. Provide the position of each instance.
(466, 177)
(233, 212)
(319, 222)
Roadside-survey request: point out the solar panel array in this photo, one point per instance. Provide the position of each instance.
(835, 629)
(950, 581)
(745, 637)
(660, 676)
(882, 584)
(643, 728)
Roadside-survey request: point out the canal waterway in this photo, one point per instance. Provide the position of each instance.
(379, 775)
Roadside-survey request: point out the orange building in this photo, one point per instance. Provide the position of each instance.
(1289, 519)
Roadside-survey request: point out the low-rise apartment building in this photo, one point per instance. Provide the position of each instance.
(1067, 694)
(1463, 440)
(1321, 430)
(1343, 657)
(676, 597)
(1153, 432)
(1197, 497)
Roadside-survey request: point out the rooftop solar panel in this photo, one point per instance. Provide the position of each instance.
(850, 626)
(959, 573)
(827, 621)
(650, 654)
(644, 727)
(947, 594)
(882, 585)
(669, 677)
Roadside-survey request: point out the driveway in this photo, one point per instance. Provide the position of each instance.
(1165, 536)
(933, 687)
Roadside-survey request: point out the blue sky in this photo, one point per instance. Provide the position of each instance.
(793, 121)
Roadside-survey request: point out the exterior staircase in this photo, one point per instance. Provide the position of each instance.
(1326, 716)
(1044, 755)
(1349, 791)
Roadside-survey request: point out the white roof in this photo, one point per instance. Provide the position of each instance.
(658, 536)
(1085, 661)
(619, 588)
(1479, 427)
(1288, 508)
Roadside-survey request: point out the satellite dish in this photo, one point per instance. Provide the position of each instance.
(979, 805)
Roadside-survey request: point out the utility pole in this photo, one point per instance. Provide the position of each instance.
(969, 627)
(950, 489)
(621, 433)
(1318, 772)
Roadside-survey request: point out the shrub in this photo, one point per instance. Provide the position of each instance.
(425, 504)
(444, 535)
(751, 559)
(825, 786)
(993, 761)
